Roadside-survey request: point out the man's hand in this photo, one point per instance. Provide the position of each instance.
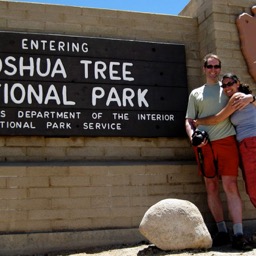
(203, 143)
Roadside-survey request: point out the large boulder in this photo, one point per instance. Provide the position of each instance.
(174, 224)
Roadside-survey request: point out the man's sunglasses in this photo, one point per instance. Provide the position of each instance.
(213, 66)
(228, 84)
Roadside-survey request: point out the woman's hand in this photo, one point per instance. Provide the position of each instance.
(241, 100)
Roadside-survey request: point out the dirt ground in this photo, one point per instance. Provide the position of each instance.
(151, 250)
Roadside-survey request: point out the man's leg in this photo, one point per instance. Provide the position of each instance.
(233, 198)
(215, 206)
(235, 209)
(213, 198)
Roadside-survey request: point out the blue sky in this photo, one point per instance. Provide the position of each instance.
(172, 7)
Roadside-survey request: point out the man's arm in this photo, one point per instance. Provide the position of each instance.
(190, 128)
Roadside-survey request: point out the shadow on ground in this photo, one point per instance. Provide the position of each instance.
(153, 250)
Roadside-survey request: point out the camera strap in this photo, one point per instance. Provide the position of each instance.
(201, 161)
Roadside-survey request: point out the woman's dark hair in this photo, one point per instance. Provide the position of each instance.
(242, 88)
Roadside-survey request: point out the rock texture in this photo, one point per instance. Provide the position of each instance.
(246, 25)
(174, 224)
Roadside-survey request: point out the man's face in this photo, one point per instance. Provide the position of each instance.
(212, 69)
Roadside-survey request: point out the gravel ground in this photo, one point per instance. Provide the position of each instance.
(151, 250)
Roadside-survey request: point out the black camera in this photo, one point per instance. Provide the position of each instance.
(198, 137)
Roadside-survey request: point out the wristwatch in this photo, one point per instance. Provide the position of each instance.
(253, 98)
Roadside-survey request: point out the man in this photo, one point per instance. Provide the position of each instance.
(217, 157)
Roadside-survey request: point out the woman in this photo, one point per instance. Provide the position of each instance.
(244, 121)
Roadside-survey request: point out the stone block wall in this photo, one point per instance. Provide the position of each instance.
(90, 196)
(54, 19)
(218, 33)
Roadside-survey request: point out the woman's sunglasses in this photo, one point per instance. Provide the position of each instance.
(228, 84)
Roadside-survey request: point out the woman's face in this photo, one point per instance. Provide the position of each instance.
(229, 86)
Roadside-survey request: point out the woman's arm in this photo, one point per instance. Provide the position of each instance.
(229, 109)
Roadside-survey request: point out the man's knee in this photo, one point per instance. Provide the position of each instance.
(230, 185)
(212, 186)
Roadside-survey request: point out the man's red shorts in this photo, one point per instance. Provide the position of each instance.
(220, 157)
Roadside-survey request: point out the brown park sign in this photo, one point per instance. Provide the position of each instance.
(54, 85)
